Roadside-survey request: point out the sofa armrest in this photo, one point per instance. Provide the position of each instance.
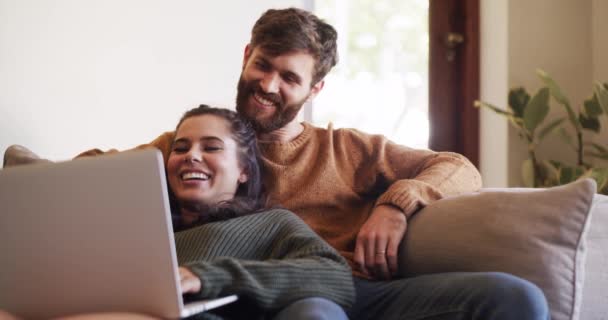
(595, 295)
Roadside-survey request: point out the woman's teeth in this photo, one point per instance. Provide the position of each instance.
(194, 175)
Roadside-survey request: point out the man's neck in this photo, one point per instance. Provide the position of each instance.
(285, 134)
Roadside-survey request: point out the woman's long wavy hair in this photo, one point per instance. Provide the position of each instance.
(250, 196)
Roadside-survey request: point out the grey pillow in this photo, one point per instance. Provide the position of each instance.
(536, 234)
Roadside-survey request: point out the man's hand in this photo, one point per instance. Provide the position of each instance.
(189, 282)
(378, 242)
(19, 155)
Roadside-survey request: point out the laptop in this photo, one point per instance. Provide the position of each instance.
(90, 235)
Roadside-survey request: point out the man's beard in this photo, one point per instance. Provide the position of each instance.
(283, 114)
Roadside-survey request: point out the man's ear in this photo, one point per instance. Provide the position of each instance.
(314, 91)
(246, 54)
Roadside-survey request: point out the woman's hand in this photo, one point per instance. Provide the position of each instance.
(189, 282)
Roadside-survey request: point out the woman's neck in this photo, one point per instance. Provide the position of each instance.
(189, 217)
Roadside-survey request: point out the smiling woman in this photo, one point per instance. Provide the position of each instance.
(218, 204)
(228, 242)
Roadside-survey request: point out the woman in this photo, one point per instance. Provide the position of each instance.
(228, 243)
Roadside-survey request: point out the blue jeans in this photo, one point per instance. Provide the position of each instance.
(480, 295)
(312, 309)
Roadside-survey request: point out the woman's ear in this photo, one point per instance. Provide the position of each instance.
(243, 177)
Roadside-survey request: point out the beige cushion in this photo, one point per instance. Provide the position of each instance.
(536, 234)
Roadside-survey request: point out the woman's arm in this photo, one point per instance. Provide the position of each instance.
(294, 264)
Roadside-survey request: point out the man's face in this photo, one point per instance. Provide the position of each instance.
(272, 89)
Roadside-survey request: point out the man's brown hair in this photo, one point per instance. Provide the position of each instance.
(280, 31)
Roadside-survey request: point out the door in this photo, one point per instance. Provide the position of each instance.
(454, 76)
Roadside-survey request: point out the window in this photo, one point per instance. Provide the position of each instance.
(380, 84)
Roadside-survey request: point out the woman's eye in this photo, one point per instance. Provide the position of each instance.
(180, 149)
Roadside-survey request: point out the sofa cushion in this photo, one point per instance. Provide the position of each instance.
(536, 234)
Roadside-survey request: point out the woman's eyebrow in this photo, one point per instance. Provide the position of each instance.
(206, 138)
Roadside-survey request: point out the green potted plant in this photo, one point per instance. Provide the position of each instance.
(527, 114)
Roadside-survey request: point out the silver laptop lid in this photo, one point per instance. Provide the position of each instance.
(90, 235)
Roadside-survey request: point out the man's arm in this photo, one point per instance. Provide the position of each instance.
(162, 143)
(406, 180)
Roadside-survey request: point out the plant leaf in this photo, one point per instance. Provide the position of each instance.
(590, 123)
(602, 96)
(592, 106)
(515, 121)
(479, 104)
(555, 89)
(569, 174)
(556, 164)
(552, 173)
(556, 92)
(565, 136)
(600, 148)
(537, 109)
(551, 127)
(600, 175)
(527, 173)
(602, 156)
(518, 99)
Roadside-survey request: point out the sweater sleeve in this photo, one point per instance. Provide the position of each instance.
(411, 178)
(162, 143)
(300, 265)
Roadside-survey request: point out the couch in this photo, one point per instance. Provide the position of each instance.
(557, 238)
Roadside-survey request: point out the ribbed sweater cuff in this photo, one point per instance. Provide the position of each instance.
(409, 195)
(213, 279)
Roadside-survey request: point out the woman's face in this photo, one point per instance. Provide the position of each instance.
(203, 165)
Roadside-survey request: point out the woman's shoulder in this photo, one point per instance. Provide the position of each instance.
(275, 215)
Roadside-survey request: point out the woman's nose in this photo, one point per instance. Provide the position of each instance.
(193, 156)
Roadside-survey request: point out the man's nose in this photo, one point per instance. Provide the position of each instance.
(270, 83)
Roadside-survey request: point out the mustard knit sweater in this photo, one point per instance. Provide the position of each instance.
(333, 178)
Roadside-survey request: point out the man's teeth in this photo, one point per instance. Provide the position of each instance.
(263, 101)
(195, 175)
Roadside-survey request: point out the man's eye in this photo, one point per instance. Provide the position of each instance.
(291, 80)
(261, 65)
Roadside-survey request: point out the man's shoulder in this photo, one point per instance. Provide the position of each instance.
(341, 132)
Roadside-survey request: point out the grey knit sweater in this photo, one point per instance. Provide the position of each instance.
(270, 259)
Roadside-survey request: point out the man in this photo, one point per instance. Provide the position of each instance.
(358, 190)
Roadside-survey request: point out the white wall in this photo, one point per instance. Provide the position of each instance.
(567, 39)
(494, 76)
(599, 11)
(78, 74)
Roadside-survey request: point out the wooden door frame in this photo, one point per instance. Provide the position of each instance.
(454, 86)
